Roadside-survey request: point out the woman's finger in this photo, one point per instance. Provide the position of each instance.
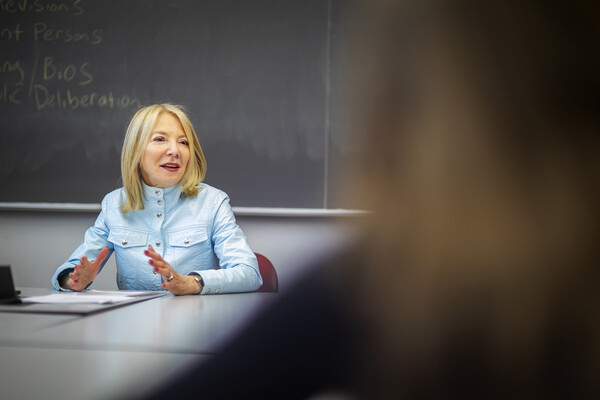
(101, 256)
(153, 254)
(84, 272)
(167, 272)
(159, 264)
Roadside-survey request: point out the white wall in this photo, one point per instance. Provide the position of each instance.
(34, 243)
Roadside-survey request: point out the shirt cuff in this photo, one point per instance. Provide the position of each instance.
(60, 277)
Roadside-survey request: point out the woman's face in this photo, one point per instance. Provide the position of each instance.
(167, 153)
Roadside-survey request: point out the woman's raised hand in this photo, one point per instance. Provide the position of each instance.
(174, 282)
(84, 272)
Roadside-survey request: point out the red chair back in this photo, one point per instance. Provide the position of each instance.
(268, 273)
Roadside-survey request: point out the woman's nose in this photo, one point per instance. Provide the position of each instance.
(173, 149)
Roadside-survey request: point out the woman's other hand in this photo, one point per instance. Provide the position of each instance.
(174, 282)
(84, 272)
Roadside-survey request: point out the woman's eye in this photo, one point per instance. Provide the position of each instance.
(158, 139)
(184, 142)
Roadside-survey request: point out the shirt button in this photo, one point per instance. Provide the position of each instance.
(186, 241)
(218, 291)
(160, 203)
(207, 291)
(157, 244)
(157, 192)
(124, 242)
(159, 215)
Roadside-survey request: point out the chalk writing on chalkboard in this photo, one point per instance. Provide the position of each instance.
(27, 80)
(254, 76)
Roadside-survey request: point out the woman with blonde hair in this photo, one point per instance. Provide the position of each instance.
(164, 225)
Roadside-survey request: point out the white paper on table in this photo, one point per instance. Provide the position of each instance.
(88, 297)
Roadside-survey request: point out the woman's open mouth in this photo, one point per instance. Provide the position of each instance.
(172, 167)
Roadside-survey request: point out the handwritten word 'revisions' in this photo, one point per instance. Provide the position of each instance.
(73, 7)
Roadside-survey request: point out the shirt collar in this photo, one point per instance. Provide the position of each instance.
(169, 195)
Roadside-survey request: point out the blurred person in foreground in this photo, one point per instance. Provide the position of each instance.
(477, 272)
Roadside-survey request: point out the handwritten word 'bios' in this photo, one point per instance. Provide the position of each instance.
(67, 73)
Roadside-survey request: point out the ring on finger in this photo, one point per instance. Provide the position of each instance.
(170, 277)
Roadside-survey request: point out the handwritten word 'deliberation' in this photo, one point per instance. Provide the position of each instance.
(68, 100)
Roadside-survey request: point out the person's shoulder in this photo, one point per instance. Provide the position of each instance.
(211, 197)
(210, 191)
(114, 197)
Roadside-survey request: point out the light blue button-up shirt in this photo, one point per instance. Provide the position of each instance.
(197, 234)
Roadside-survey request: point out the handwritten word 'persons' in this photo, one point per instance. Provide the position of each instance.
(44, 33)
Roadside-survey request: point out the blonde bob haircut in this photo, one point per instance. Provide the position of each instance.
(137, 137)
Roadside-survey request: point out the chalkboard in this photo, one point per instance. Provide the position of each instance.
(254, 75)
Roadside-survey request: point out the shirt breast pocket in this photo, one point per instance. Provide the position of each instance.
(127, 239)
(129, 253)
(190, 248)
